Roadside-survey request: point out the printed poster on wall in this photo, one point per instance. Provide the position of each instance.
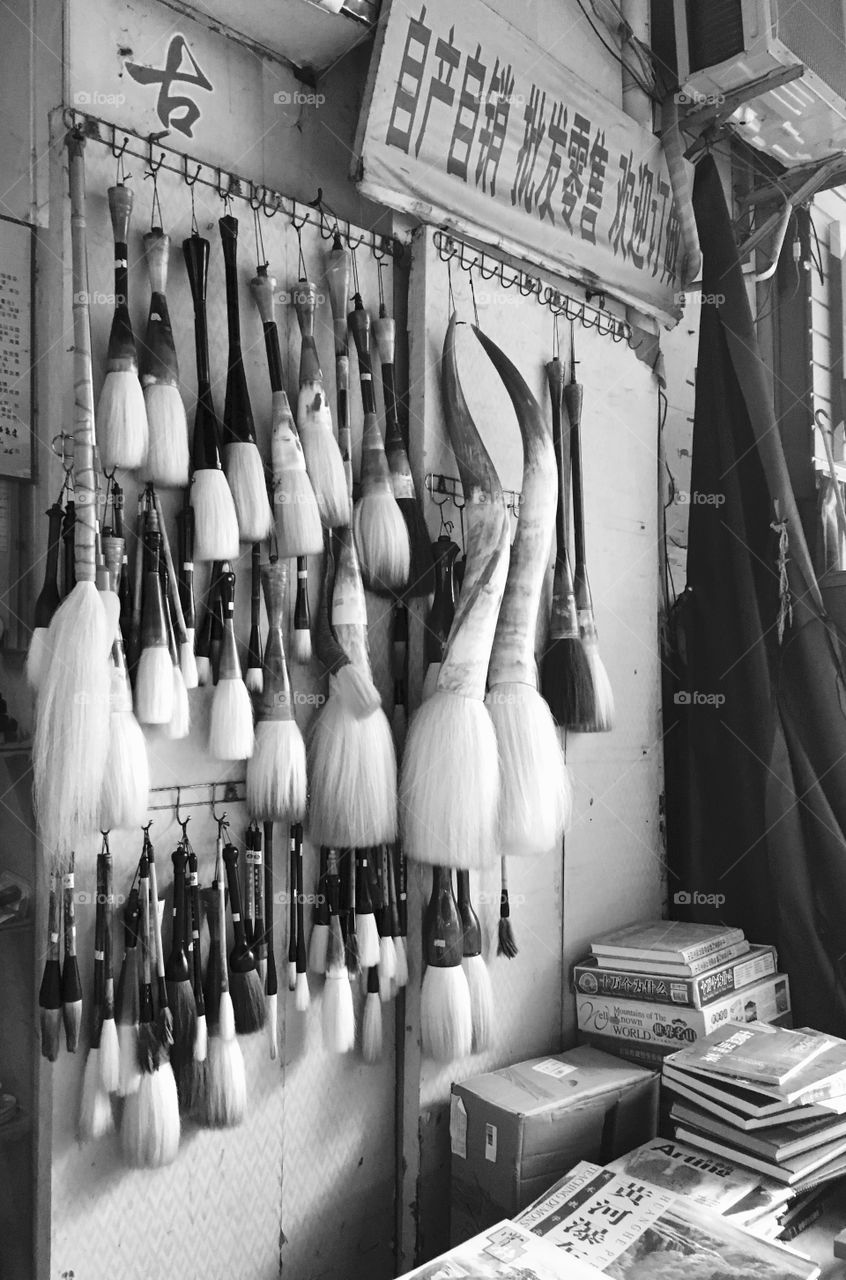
(469, 125)
(15, 349)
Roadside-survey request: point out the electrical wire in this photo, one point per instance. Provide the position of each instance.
(816, 258)
(644, 88)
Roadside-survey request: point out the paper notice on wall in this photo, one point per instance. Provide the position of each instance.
(458, 1127)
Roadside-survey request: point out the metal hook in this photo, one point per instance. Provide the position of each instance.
(506, 284)
(382, 252)
(151, 141)
(298, 226)
(189, 182)
(486, 275)
(219, 819)
(63, 453)
(225, 195)
(465, 266)
(359, 242)
(445, 246)
(180, 821)
(119, 153)
(255, 204)
(277, 204)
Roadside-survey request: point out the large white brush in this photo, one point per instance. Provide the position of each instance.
(475, 969)
(535, 791)
(324, 463)
(121, 412)
(226, 1096)
(167, 459)
(371, 1026)
(446, 1015)
(38, 654)
(231, 734)
(366, 929)
(338, 1013)
(126, 781)
(449, 794)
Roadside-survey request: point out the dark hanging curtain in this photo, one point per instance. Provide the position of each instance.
(755, 725)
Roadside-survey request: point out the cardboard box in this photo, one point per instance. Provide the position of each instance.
(514, 1132)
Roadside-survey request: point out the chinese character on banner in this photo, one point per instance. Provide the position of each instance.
(578, 155)
(534, 132)
(440, 87)
(625, 195)
(492, 135)
(549, 179)
(409, 83)
(595, 186)
(168, 104)
(638, 241)
(657, 238)
(467, 116)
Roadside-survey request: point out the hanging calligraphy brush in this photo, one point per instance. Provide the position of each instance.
(226, 1098)
(185, 643)
(350, 751)
(603, 718)
(260, 926)
(387, 946)
(38, 654)
(445, 553)
(396, 905)
(185, 578)
(231, 734)
(506, 944)
(450, 785)
(128, 1000)
(302, 998)
(371, 1026)
(121, 412)
(421, 573)
(338, 270)
(292, 910)
(301, 631)
(320, 922)
(366, 931)
(166, 462)
(345, 896)
(216, 534)
(314, 417)
(241, 458)
(109, 1042)
(205, 674)
(50, 991)
(71, 981)
(446, 1016)
(566, 680)
(276, 771)
(475, 969)
(196, 1088)
(381, 534)
(338, 1013)
(535, 799)
(399, 662)
(95, 1112)
(72, 721)
(165, 1014)
(179, 724)
(124, 585)
(179, 978)
(133, 637)
(245, 984)
(271, 981)
(154, 677)
(254, 678)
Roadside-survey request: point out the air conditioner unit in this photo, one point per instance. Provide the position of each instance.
(725, 44)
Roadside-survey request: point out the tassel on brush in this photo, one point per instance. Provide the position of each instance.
(446, 1015)
(121, 412)
(50, 991)
(314, 420)
(231, 733)
(71, 981)
(128, 1001)
(475, 969)
(109, 1041)
(371, 1026)
(271, 981)
(245, 984)
(166, 461)
(39, 652)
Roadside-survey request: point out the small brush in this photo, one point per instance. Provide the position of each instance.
(244, 981)
(50, 991)
(95, 1112)
(253, 680)
(338, 1013)
(128, 1000)
(446, 1018)
(165, 1016)
(371, 1026)
(301, 649)
(71, 981)
(178, 977)
(109, 1041)
(292, 910)
(506, 944)
(320, 922)
(197, 1082)
(271, 983)
(302, 998)
(366, 932)
(226, 1099)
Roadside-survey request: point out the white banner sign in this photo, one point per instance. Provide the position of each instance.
(472, 126)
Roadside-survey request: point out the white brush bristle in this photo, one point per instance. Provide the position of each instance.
(179, 725)
(273, 1024)
(401, 979)
(371, 1028)
(231, 734)
(154, 686)
(292, 975)
(254, 680)
(204, 671)
(130, 1072)
(355, 690)
(151, 1125)
(387, 966)
(72, 723)
(109, 1056)
(226, 1016)
(216, 534)
(449, 791)
(121, 418)
(302, 998)
(188, 660)
(126, 780)
(245, 472)
(446, 1017)
(276, 772)
(323, 457)
(301, 649)
(338, 1013)
(352, 773)
(381, 536)
(95, 1113)
(226, 1093)
(317, 948)
(201, 1038)
(298, 528)
(535, 795)
(37, 658)
(166, 463)
(367, 940)
(481, 1001)
(602, 690)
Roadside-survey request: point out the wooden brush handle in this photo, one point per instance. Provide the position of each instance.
(338, 268)
(68, 537)
(305, 305)
(443, 935)
(121, 201)
(555, 381)
(185, 525)
(274, 581)
(131, 918)
(70, 914)
(53, 921)
(255, 585)
(260, 928)
(302, 615)
(83, 384)
(121, 350)
(157, 257)
(146, 942)
(238, 423)
(393, 904)
(108, 938)
(573, 397)
(48, 598)
(472, 945)
(172, 581)
(263, 289)
(359, 325)
(153, 619)
(156, 924)
(207, 430)
(233, 880)
(99, 936)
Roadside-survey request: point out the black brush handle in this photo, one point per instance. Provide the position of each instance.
(108, 941)
(238, 423)
(146, 978)
(48, 597)
(254, 659)
(472, 945)
(301, 945)
(260, 928)
(359, 325)
(121, 340)
(194, 884)
(207, 431)
(68, 534)
(292, 895)
(271, 984)
(185, 574)
(241, 956)
(177, 969)
(442, 932)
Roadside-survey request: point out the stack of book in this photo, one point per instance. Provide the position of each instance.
(770, 1100)
(649, 988)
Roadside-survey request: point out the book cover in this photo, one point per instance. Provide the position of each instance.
(724, 1104)
(507, 1251)
(667, 969)
(777, 1142)
(631, 1230)
(753, 1051)
(592, 979)
(718, 1184)
(827, 1159)
(674, 940)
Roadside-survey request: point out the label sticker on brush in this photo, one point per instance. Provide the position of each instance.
(550, 1067)
(348, 608)
(403, 485)
(458, 1127)
(490, 1143)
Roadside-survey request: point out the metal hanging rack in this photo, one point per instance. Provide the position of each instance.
(450, 488)
(451, 249)
(233, 792)
(228, 185)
